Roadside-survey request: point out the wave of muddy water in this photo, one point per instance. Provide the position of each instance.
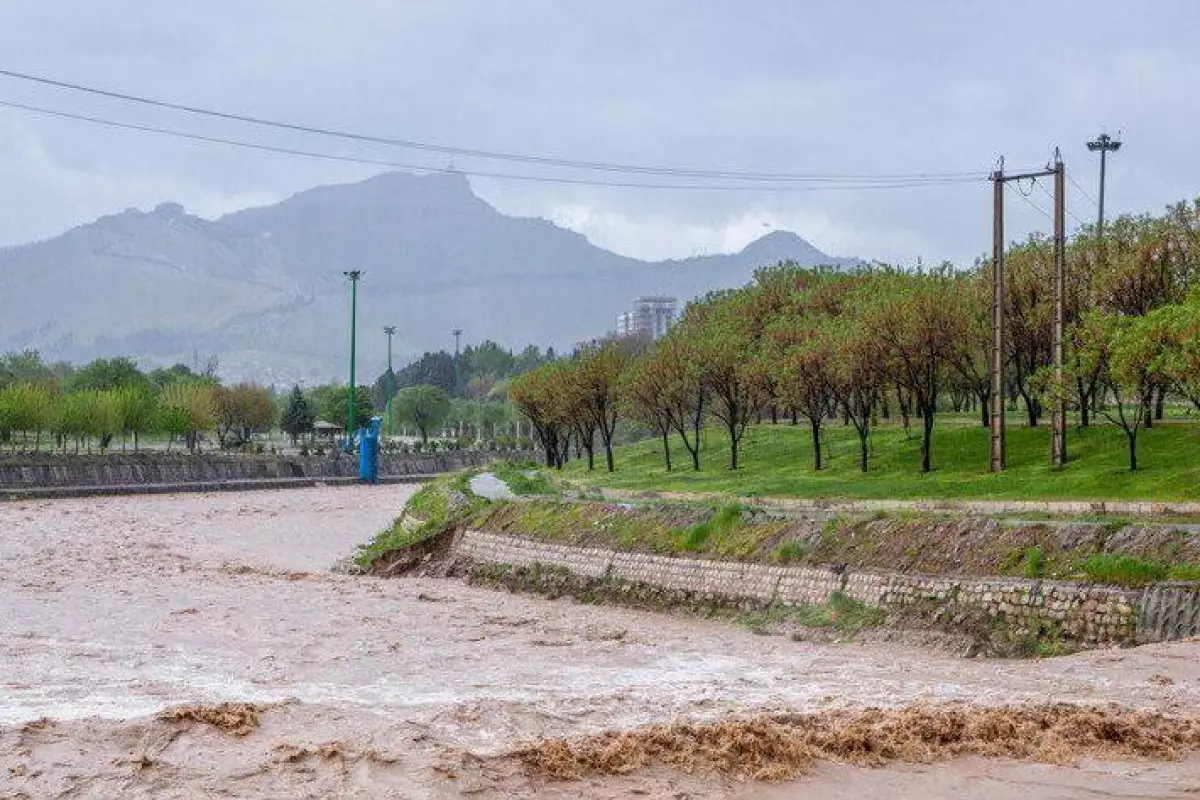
(113, 609)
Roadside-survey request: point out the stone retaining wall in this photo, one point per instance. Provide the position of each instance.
(124, 470)
(1089, 614)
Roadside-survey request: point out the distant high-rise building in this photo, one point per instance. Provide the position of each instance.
(650, 316)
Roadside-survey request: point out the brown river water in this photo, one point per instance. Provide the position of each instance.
(113, 609)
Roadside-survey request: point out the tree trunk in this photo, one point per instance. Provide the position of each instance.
(666, 449)
(815, 425)
(862, 450)
(1131, 434)
(608, 456)
(927, 415)
(1160, 401)
(1085, 398)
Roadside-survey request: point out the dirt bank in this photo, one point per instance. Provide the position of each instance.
(113, 610)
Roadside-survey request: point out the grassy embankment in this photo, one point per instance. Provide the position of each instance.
(776, 461)
(915, 543)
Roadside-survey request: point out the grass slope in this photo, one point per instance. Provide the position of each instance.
(776, 461)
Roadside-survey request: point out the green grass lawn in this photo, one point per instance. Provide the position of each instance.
(776, 461)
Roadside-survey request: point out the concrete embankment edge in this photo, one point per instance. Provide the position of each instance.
(63, 492)
(31, 476)
(1089, 614)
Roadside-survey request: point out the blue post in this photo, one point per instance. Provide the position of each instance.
(368, 452)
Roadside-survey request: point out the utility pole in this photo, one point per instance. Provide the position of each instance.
(1058, 422)
(996, 452)
(354, 276)
(1105, 144)
(389, 331)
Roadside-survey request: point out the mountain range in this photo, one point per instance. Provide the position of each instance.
(263, 288)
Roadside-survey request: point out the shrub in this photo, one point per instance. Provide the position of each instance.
(1184, 572)
(1123, 570)
(789, 552)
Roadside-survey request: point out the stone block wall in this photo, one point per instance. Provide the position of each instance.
(1083, 612)
(123, 470)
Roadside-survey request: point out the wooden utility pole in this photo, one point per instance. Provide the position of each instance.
(996, 458)
(996, 454)
(1058, 433)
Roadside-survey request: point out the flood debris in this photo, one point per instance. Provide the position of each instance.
(779, 747)
(235, 719)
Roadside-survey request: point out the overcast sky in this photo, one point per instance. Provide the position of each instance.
(786, 86)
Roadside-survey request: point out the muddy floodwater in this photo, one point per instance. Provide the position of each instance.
(113, 609)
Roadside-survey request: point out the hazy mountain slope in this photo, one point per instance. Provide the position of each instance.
(263, 288)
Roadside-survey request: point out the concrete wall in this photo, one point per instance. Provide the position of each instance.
(1090, 614)
(125, 470)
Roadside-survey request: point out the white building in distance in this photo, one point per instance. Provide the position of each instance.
(649, 316)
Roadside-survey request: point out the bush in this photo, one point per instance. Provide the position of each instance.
(1184, 572)
(789, 552)
(1123, 570)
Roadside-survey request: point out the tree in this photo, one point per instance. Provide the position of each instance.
(241, 410)
(731, 378)
(331, 402)
(855, 376)
(645, 394)
(186, 410)
(1028, 317)
(108, 373)
(595, 377)
(138, 409)
(908, 316)
(802, 361)
(1131, 355)
(25, 408)
(25, 367)
(423, 406)
(298, 416)
(534, 395)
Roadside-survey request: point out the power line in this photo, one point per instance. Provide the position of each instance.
(1029, 202)
(196, 137)
(725, 174)
(1050, 197)
(1083, 191)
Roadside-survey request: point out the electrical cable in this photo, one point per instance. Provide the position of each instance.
(786, 187)
(723, 174)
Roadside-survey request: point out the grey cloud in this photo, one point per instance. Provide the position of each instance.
(784, 86)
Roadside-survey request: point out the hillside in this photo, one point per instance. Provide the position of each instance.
(263, 288)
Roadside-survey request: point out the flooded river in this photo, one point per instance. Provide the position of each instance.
(113, 609)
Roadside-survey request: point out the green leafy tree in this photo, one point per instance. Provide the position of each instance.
(298, 416)
(108, 373)
(138, 409)
(723, 346)
(424, 407)
(332, 400)
(186, 410)
(1132, 355)
(240, 411)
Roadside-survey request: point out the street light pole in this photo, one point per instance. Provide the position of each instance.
(389, 331)
(354, 276)
(1104, 143)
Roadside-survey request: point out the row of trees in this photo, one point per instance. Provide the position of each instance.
(880, 342)
(183, 411)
